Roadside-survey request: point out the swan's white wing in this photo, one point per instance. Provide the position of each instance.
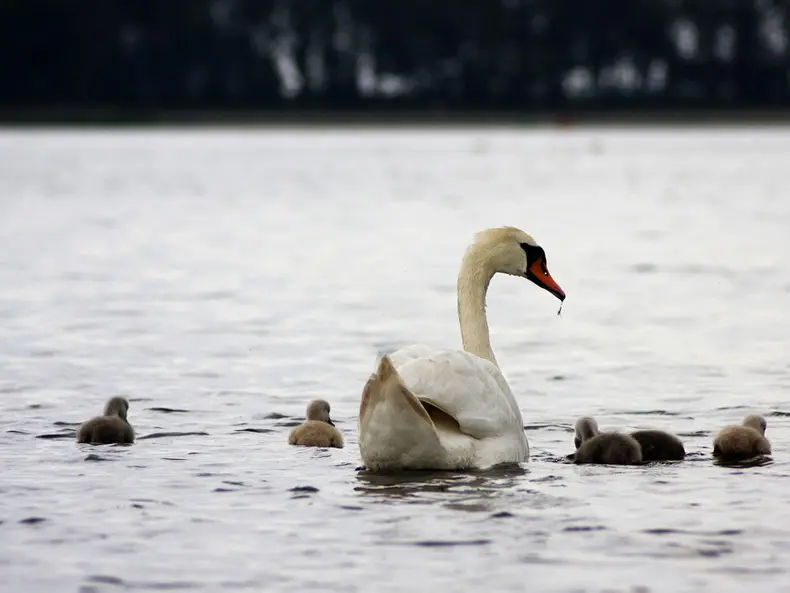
(467, 387)
(404, 355)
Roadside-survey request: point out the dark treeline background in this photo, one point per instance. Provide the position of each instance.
(466, 55)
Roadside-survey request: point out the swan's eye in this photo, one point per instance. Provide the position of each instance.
(535, 254)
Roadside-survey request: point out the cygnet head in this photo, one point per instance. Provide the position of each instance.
(509, 250)
(586, 428)
(318, 409)
(116, 406)
(756, 422)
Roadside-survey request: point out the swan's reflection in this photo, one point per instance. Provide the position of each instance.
(757, 461)
(469, 491)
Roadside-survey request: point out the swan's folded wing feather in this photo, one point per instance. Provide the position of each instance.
(410, 353)
(470, 389)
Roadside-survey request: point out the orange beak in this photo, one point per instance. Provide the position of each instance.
(539, 274)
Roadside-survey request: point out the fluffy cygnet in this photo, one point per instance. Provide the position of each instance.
(608, 448)
(742, 442)
(318, 430)
(658, 445)
(112, 427)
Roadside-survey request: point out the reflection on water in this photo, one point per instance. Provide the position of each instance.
(220, 280)
(756, 461)
(469, 491)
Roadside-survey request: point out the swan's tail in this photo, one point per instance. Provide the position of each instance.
(394, 427)
(385, 384)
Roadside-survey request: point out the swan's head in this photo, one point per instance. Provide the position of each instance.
(512, 251)
(756, 422)
(117, 406)
(318, 409)
(586, 428)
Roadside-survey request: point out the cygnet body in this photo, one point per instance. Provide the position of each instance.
(608, 448)
(318, 430)
(658, 445)
(111, 427)
(742, 442)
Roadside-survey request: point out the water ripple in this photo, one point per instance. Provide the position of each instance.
(222, 279)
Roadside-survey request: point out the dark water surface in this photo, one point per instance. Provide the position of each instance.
(220, 279)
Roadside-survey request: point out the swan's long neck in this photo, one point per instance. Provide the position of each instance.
(473, 280)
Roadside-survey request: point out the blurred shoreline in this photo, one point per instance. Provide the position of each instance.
(45, 117)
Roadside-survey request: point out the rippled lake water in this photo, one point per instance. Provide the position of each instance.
(221, 279)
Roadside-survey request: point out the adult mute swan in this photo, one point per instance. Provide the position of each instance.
(451, 409)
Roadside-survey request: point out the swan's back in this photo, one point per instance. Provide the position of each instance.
(106, 430)
(746, 440)
(470, 389)
(423, 415)
(740, 442)
(658, 445)
(314, 433)
(609, 448)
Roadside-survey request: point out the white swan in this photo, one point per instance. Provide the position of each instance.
(451, 409)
